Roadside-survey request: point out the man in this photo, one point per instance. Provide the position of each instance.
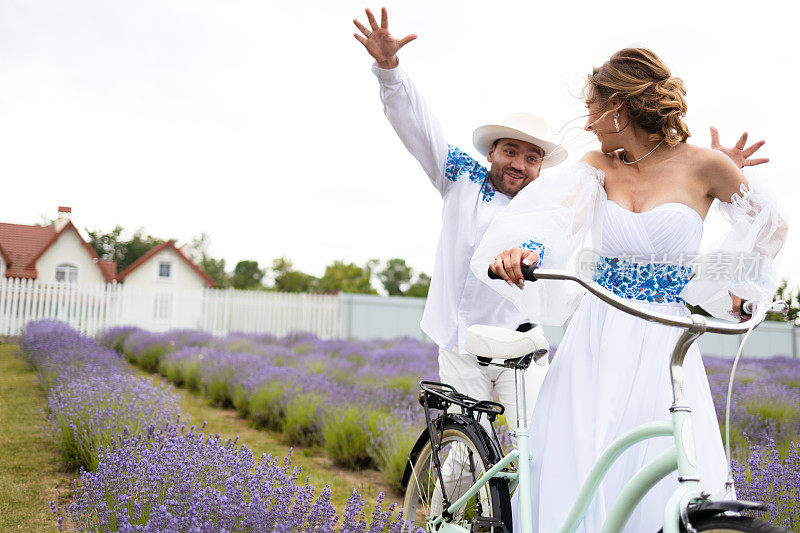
(517, 150)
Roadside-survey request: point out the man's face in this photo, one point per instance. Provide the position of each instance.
(514, 165)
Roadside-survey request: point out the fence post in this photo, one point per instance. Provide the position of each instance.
(346, 315)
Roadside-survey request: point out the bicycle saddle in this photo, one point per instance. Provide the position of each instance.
(500, 343)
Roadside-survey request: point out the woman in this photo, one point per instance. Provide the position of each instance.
(641, 201)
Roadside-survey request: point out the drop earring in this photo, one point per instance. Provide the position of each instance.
(616, 122)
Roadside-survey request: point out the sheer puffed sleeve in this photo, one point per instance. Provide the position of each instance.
(744, 260)
(554, 215)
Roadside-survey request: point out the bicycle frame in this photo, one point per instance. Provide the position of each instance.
(674, 458)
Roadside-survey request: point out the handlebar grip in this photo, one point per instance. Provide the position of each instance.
(527, 273)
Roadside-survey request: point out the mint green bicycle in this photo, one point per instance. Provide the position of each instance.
(458, 480)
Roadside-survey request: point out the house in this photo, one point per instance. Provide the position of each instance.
(53, 253)
(165, 263)
(161, 290)
(164, 288)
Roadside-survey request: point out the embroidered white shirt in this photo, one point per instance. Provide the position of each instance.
(456, 298)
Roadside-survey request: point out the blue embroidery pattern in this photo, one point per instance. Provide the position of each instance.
(536, 247)
(650, 282)
(487, 191)
(459, 163)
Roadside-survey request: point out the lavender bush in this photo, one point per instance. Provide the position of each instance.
(330, 393)
(92, 395)
(766, 401)
(766, 477)
(172, 479)
(86, 413)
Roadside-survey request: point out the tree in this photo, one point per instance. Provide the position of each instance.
(287, 279)
(247, 275)
(108, 245)
(111, 246)
(215, 268)
(396, 276)
(346, 277)
(420, 286)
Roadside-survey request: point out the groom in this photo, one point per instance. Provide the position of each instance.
(517, 149)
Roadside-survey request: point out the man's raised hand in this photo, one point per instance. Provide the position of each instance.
(738, 153)
(379, 42)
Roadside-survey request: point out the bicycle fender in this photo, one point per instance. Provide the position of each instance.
(455, 418)
(708, 508)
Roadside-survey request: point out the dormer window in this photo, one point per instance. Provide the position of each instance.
(164, 270)
(66, 273)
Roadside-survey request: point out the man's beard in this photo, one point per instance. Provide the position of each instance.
(495, 177)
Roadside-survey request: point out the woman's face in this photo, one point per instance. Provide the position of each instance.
(600, 121)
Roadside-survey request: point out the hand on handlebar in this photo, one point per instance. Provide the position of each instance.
(738, 310)
(508, 265)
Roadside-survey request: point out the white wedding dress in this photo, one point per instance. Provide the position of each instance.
(610, 373)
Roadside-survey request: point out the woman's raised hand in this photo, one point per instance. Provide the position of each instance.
(379, 42)
(508, 265)
(738, 152)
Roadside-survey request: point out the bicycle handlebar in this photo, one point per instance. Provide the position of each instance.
(533, 273)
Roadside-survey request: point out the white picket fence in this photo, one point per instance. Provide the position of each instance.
(277, 313)
(92, 308)
(87, 308)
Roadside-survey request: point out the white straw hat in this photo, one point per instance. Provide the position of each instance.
(522, 127)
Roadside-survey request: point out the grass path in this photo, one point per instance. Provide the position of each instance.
(30, 472)
(316, 464)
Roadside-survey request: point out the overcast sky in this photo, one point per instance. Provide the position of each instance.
(259, 123)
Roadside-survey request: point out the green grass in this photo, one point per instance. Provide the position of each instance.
(30, 472)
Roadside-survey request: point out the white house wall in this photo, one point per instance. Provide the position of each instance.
(69, 249)
(178, 300)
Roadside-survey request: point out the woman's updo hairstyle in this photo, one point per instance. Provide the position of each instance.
(642, 82)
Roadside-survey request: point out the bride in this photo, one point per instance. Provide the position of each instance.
(640, 202)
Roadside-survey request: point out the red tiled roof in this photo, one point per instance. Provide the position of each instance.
(109, 268)
(153, 251)
(23, 245)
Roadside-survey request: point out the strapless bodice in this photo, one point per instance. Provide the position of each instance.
(667, 232)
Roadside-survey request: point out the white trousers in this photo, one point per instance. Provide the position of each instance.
(463, 372)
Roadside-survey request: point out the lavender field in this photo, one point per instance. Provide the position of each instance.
(143, 469)
(357, 400)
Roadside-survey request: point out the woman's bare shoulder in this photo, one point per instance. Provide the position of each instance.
(714, 169)
(600, 160)
(707, 160)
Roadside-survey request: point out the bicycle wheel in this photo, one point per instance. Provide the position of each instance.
(734, 524)
(464, 457)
